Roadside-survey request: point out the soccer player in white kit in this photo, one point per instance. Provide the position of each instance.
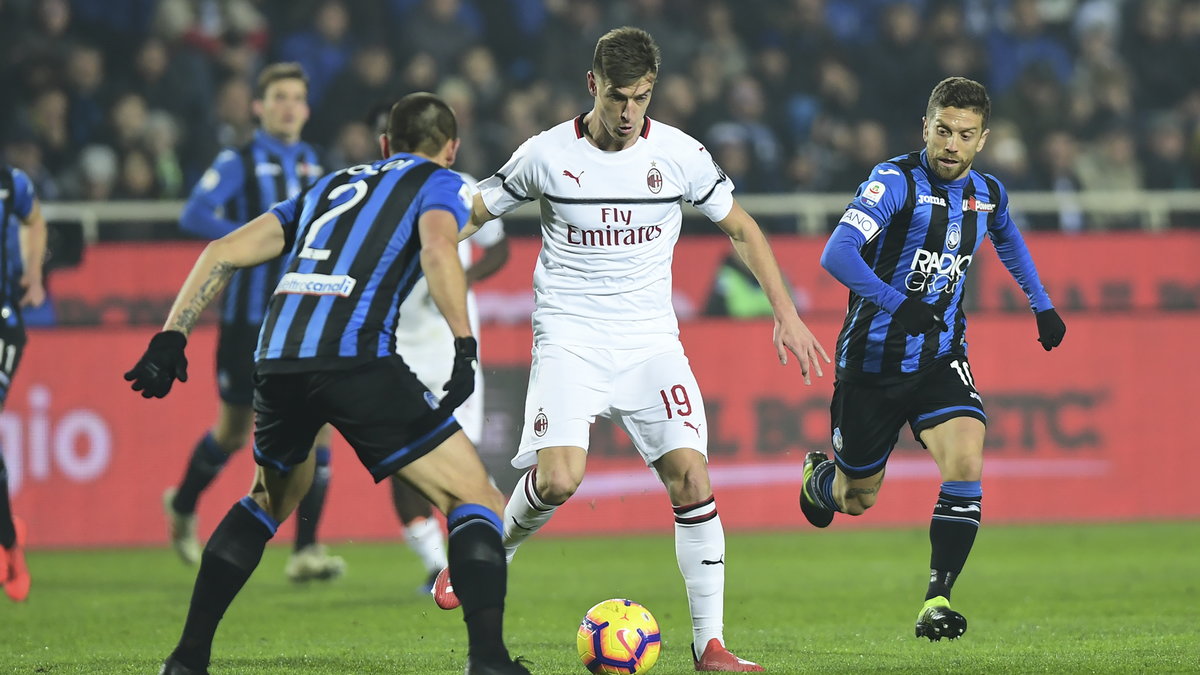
(606, 339)
(424, 340)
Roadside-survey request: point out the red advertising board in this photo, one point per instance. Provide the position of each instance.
(1092, 425)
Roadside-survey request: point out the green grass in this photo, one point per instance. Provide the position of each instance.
(1064, 599)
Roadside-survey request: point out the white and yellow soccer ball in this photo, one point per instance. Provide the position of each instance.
(619, 637)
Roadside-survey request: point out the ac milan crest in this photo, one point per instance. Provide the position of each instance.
(540, 424)
(654, 180)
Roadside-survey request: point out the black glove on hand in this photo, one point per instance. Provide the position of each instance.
(462, 377)
(160, 366)
(918, 318)
(1051, 328)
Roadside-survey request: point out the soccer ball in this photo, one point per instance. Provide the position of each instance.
(618, 636)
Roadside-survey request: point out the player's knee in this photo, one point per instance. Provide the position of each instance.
(690, 487)
(556, 487)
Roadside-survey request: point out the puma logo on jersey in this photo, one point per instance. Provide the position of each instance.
(693, 427)
(718, 561)
(573, 177)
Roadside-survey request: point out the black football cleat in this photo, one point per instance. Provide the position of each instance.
(173, 667)
(504, 667)
(817, 515)
(936, 620)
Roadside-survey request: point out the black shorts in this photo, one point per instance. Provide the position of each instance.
(866, 420)
(12, 346)
(236, 343)
(380, 408)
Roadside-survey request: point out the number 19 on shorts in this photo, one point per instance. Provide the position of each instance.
(676, 401)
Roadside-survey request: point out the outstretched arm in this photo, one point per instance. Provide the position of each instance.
(479, 216)
(790, 332)
(256, 242)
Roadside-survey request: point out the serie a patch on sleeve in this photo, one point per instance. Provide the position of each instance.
(873, 193)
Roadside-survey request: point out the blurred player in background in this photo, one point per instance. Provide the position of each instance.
(356, 241)
(903, 248)
(19, 207)
(242, 183)
(425, 342)
(606, 339)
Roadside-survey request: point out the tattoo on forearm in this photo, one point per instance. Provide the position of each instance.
(208, 290)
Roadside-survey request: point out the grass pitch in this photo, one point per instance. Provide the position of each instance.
(1062, 599)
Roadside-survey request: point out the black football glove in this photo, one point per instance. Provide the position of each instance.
(462, 377)
(918, 318)
(1051, 328)
(160, 366)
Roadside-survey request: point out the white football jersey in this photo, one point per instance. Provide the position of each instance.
(610, 221)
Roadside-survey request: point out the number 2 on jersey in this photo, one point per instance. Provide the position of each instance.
(360, 191)
(679, 397)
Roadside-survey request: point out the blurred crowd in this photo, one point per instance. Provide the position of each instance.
(131, 99)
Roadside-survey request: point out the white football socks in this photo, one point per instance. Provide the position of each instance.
(700, 549)
(424, 537)
(524, 514)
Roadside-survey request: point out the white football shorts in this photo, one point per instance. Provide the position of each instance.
(650, 392)
(431, 361)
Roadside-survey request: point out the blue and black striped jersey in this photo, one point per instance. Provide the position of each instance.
(918, 234)
(241, 184)
(352, 256)
(16, 202)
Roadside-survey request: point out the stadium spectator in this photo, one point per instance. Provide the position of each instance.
(746, 133)
(234, 120)
(1059, 154)
(1166, 165)
(89, 94)
(1154, 52)
(886, 64)
(369, 78)
(443, 29)
(1109, 164)
(1020, 41)
(323, 50)
(49, 118)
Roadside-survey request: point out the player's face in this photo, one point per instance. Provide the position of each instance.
(952, 138)
(621, 110)
(284, 109)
